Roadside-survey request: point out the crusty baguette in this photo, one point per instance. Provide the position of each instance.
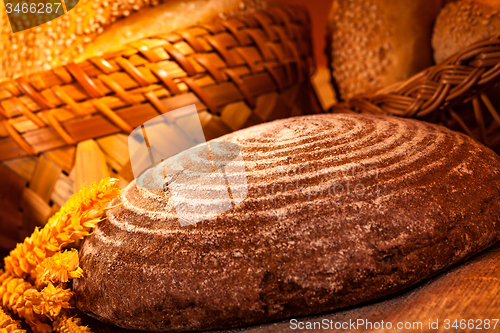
(96, 26)
(341, 209)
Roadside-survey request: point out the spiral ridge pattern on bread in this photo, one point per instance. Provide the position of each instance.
(340, 209)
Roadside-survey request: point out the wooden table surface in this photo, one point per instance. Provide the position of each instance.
(468, 291)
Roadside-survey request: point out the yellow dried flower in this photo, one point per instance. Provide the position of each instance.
(9, 325)
(74, 221)
(12, 290)
(65, 324)
(61, 267)
(3, 276)
(49, 302)
(12, 296)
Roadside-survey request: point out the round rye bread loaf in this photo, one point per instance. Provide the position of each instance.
(340, 209)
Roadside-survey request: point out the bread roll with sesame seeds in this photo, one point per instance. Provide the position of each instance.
(375, 43)
(462, 23)
(96, 26)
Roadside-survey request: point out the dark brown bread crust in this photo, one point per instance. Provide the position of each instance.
(433, 204)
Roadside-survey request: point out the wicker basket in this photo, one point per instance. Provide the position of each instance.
(461, 93)
(68, 126)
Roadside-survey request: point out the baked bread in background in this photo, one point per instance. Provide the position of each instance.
(375, 43)
(340, 209)
(96, 26)
(462, 23)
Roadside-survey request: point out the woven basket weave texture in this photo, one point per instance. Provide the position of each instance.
(69, 125)
(461, 93)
